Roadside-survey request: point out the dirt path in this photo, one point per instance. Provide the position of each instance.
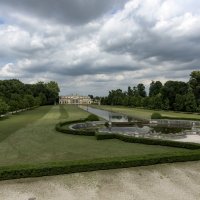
(178, 181)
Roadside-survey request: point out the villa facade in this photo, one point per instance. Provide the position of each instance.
(75, 99)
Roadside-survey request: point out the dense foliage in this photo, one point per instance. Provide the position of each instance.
(15, 95)
(173, 95)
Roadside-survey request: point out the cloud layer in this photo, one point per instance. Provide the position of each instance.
(96, 46)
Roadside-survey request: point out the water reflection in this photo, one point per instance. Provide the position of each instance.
(109, 115)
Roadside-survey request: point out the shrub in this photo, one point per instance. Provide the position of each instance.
(156, 116)
(92, 117)
(106, 124)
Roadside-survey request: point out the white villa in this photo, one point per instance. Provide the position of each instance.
(75, 99)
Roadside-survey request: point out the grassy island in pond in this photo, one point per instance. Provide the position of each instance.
(30, 139)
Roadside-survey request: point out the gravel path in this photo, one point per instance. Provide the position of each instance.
(178, 181)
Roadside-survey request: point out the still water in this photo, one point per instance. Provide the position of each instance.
(109, 115)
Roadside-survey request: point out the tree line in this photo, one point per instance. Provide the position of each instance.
(172, 95)
(15, 95)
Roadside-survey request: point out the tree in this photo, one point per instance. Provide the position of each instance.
(179, 102)
(3, 107)
(30, 101)
(53, 92)
(171, 89)
(116, 97)
(43, 99)
(145, 102)
(91, 96)
(165, 105)
(194, 83)
(190, 102)
(136, 101)
(141, 90)
(158, 101)
(155, 102)
(155, 88)
(130, 91)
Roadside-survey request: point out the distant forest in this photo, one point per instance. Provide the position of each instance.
(15, 95)
(173, 95)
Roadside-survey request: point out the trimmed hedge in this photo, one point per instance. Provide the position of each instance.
(148, 141)
(59, 127)
(49, 169)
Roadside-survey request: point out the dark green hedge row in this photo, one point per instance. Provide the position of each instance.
(49, 169)
(125, 138)
(60, 128)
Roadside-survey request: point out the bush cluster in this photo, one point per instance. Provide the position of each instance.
(156, 115)
(92, 117)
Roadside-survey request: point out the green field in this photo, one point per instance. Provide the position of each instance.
(146, 114)
(30, 138)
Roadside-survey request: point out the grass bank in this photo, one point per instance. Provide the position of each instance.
(146, 114)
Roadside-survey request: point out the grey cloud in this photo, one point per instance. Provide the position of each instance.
(65, 11)
(85, 68)
(162, 47)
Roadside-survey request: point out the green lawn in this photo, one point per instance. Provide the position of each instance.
(18, 121)
(146, 114)
(30, 138)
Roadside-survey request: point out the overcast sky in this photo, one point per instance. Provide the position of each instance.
(93, 46)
